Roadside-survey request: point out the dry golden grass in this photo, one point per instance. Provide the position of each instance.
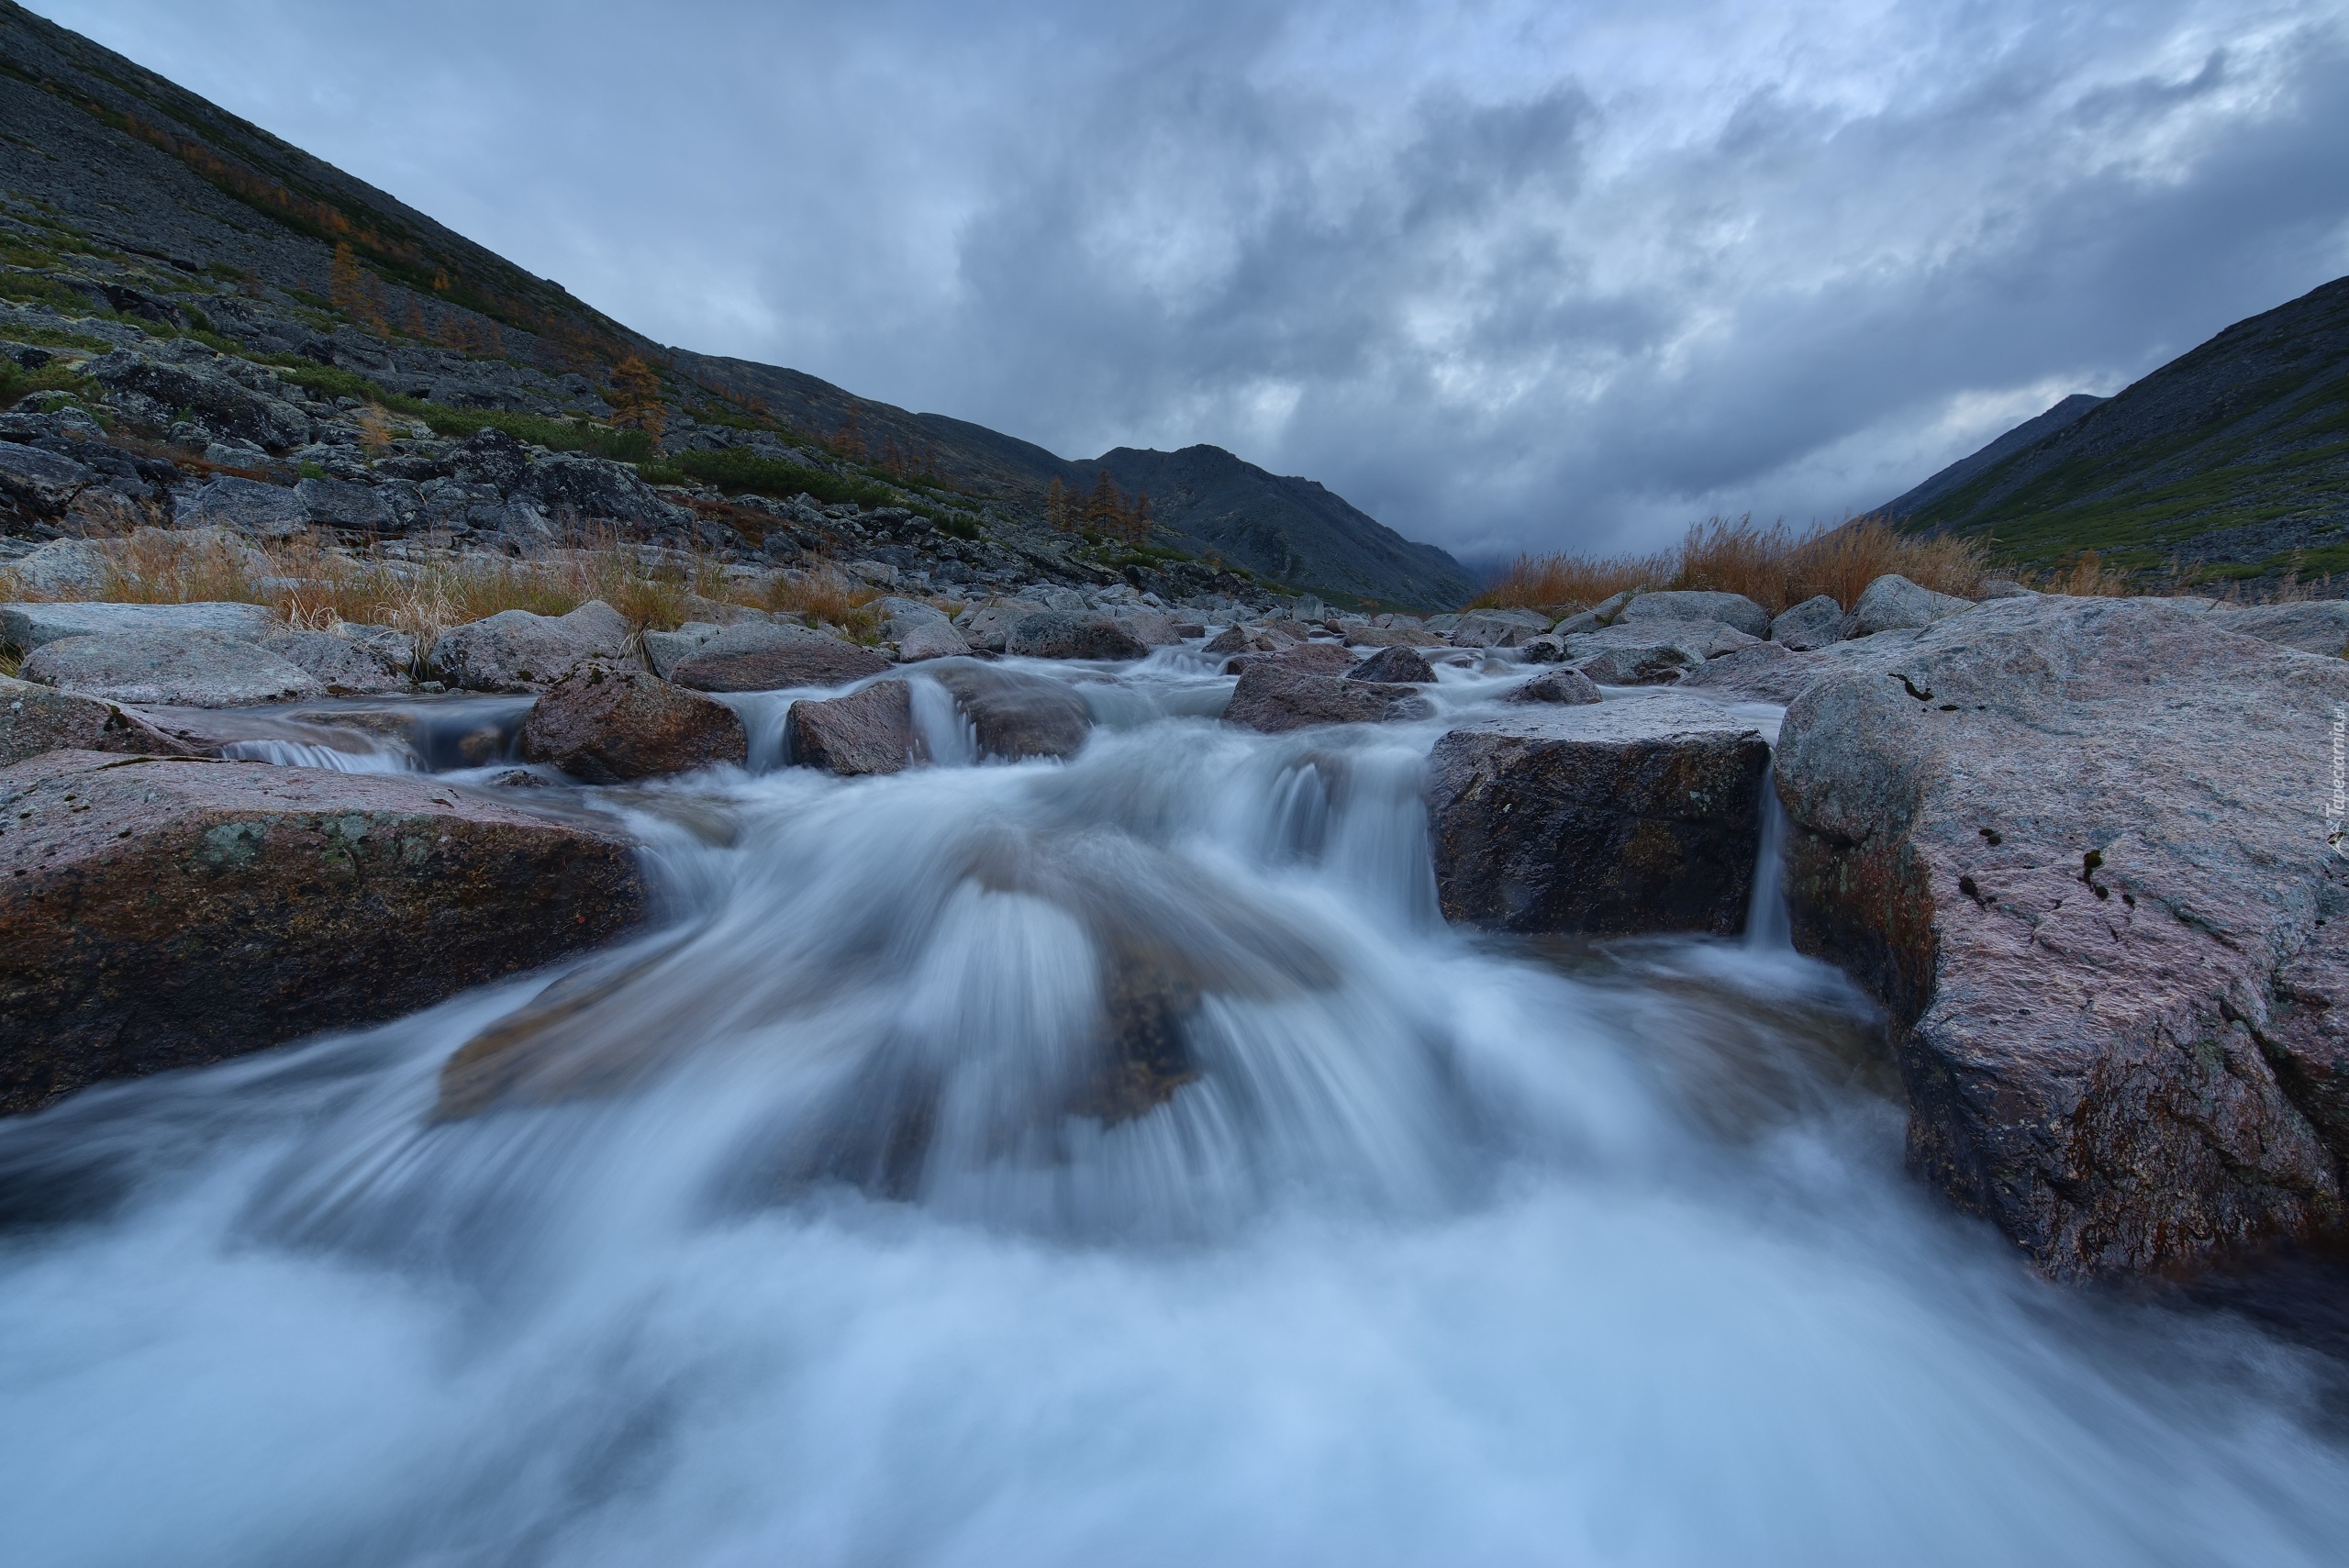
(2086, 577)
(1773, 566)
(826, 594)
(315, 586)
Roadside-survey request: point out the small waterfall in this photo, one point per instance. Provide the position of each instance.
(309, 754)
(1767, 927)
(949, 737)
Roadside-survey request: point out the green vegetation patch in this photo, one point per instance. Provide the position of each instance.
(748, 471)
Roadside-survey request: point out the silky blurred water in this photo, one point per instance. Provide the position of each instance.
(832, 1222)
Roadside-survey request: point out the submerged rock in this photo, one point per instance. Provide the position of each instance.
(756, 656)
(1018, 716)
(1274, 698)
(1623, 816)
(182, 668)
(607, 724)
(2078, 847)
(165, 913)
(516, 650)
(870, 731)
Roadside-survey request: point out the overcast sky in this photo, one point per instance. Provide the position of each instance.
(1505, 276)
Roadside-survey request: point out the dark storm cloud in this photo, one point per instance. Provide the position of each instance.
(1504, 274)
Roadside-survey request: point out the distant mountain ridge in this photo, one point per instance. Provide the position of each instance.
(1290, 530)
(2233, 458)
(92, 144)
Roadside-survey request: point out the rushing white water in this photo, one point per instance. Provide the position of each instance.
(1109, 1162)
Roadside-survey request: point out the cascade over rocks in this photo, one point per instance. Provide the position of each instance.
(761, 656)
(870, 731)
(159, 913)
(1016, 715)
(609, 724)
(1610, 818)
(2078, 847)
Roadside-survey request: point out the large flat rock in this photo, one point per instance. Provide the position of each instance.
(34, 719)
(179, 669)
(165, 913)
(516, 650)
(2073, 844)
(29, 626)
(1607, 817)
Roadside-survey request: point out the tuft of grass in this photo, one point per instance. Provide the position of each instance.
(825, 593)
(1774, 566)
(16, 384)
(2084, 576)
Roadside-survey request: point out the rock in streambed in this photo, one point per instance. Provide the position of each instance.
(1600, 817)
(162, 913)
(2079, 848)
(609, 724)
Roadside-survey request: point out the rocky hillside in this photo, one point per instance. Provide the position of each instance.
(137, 219)
(2231, 460)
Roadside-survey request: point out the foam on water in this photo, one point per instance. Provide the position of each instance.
(810, 1240)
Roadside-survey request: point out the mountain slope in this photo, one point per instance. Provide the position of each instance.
(2235, 456)
(2023, 435)
(158, 200)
